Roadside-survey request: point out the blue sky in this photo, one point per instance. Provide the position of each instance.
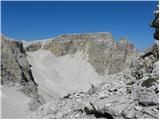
(41, 20)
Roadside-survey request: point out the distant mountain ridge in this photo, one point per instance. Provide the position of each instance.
(101, 48)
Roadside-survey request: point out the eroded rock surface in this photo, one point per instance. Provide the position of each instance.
(15, 70)
(104, 54)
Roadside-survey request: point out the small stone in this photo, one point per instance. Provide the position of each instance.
(154, 109)
(139, 114)
(131, 114)
(107, 105)
(138, 108)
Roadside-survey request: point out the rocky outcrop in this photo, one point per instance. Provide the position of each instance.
(15, 69)
(33, 46)
(125, 55)
(104, 54)
(155, 23)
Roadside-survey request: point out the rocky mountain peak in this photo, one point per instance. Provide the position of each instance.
(123, 40)
(124, 43)
(2, 36)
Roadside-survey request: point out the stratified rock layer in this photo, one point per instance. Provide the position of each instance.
(103, 53)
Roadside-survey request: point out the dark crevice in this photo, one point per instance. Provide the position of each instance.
(147, 54)
(29, 72)
(32, 78)
(98, 114)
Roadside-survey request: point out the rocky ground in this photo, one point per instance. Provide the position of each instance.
(118, 96)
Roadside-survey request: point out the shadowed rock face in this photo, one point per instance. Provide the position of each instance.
(155, 24)
(104, 54)
(154, 49)
(34, 46)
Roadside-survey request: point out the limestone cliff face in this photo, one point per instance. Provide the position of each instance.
(15, 70)
(104, 54)
(14, 66)
(124, 56)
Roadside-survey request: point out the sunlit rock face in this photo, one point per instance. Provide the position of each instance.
(14, 65)
(17, 75)
(103, 53)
